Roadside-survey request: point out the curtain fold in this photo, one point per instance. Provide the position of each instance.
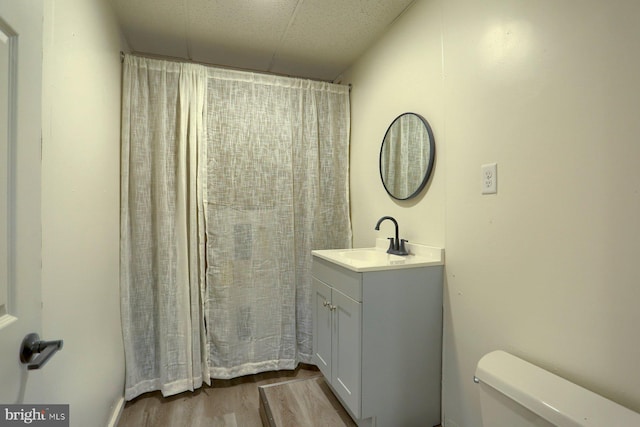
(229, 180)
(161, 254)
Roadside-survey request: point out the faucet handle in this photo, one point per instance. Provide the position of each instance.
(403, 250)
(392, 245)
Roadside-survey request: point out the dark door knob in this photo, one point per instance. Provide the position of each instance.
(31, 344)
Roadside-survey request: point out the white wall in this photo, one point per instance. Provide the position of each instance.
(547, 268)
(80, 209)
(379, 94)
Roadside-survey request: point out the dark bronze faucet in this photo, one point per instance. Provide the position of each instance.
(396, 246)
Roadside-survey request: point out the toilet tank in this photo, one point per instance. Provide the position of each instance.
(515, 393)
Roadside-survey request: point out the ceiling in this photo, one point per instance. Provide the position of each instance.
(316, 39)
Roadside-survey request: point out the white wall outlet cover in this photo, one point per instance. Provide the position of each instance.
(489, 178)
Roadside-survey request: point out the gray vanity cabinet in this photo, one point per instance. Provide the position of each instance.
(377, 339)
(336, 338)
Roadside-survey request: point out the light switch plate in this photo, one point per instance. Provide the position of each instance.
(489, 178)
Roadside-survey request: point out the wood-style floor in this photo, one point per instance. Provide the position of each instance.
(226, 403)
(302, 402)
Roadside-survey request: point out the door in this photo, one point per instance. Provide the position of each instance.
(347, 349)
(322, 327)
(20, 235)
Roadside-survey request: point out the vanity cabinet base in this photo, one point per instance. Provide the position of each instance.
(381, 353)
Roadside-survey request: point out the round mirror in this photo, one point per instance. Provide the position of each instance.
(406, 156)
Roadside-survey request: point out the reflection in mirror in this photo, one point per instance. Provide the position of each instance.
(406, 156)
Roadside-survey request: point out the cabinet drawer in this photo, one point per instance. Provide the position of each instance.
(347, 282)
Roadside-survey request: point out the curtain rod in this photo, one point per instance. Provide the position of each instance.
(176, 59)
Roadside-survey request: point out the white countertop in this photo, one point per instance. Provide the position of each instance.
(376, 258)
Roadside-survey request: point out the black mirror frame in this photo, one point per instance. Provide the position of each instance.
(432, 155)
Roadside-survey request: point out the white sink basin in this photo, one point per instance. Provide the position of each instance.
(372, 255)
(376, 258)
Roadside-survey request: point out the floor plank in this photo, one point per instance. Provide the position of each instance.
(226, 403)
(303, 402)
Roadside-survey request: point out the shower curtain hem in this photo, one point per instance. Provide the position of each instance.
(253, 368)
(168, 389)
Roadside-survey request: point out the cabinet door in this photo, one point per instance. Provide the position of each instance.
(322, 327)
(347, 348)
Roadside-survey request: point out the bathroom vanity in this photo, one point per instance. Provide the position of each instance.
(377, 332)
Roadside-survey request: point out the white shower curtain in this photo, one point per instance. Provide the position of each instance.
(229, 179)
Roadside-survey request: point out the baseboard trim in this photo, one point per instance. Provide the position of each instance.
(117, 412)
